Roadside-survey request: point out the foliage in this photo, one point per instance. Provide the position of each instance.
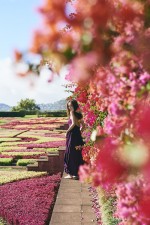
(52, 149)
(3, 222)
(9, 139)
(6, 161)
(12, 114)
(24, 162)
(107, 204)
(26, 104)
(61, 113)
(24, 155)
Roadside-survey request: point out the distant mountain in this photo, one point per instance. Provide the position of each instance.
(59, 105)
(4, 107)
(56, 106)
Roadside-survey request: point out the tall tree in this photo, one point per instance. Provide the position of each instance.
(26, 104)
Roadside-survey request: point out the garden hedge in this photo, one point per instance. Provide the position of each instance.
(61, 113)
(12, 114)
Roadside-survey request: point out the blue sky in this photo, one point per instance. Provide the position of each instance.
(18, 20)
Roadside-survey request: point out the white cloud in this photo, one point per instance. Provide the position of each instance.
(14, 88)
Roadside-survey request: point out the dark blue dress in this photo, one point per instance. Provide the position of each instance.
(73, 158)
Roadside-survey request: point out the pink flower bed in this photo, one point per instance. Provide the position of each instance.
(35, 124)
(28, 139)
(28, 202)
(28, 127)
(54, 135)
(25, 156)
(25, 150)
(54, 144)
(6, 156)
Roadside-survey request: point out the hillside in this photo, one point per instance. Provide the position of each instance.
(59, 105)
(56, 106)
(4, 107)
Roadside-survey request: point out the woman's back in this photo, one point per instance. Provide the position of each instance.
(76, 120)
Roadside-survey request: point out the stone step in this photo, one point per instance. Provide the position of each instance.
(52, 163)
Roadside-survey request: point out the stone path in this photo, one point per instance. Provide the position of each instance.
(73, 204)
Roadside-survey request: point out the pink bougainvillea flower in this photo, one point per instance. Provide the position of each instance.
(84, 173)
(107, 163)
(142, 122)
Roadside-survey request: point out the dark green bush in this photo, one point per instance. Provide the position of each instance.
(6, 161)
(32, 112)
(12, 114)
(25, 162)
(61, 113)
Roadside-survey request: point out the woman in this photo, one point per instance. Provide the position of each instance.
(73, 156)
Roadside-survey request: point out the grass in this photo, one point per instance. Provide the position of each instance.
(24, 162)
(30, 116)
(8, 148)
(12, 144)
(51, 149)
(9, 139)
(20, 154)
(3, 120)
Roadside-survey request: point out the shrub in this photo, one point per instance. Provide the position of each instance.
(24, 162)
(6, 161)
(61, 113)
(12, 114)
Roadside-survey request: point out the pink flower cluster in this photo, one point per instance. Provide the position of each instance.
(133, 202)
(28, 201)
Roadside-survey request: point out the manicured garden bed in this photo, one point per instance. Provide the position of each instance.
(38, 136)
(6, 161)
(27, 197)
(29, 201)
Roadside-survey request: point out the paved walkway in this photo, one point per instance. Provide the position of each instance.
(73, 204)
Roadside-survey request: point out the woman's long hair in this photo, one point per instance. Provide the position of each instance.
(75, 105)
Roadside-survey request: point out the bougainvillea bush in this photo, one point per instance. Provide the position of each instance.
(106, 45)
(28, 201)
